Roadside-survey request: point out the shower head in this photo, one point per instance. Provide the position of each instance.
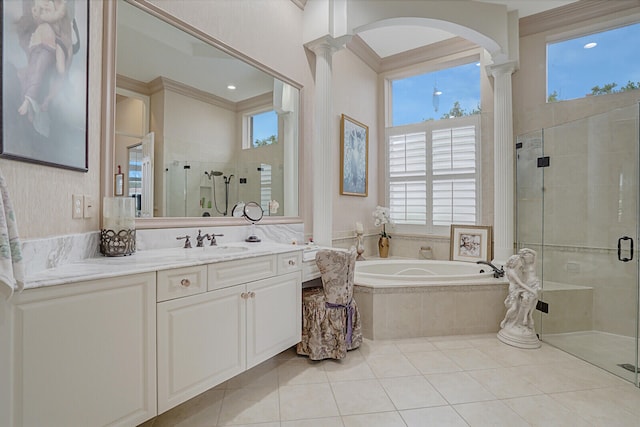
(212, 173)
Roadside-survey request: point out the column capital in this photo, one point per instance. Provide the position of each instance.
(502, 68)
(327, 44)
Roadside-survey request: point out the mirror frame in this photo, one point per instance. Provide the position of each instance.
(107, 151)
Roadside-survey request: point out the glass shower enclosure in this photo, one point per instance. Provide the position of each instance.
(577, 206)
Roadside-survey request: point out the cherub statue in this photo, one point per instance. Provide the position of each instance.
(524, 287)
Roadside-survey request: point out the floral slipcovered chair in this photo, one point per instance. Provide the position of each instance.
(330, 318)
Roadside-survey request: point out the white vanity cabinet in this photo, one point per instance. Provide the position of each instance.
(274, 316)
(250, 313)
(84, 353)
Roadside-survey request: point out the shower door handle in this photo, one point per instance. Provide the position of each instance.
(625, 259)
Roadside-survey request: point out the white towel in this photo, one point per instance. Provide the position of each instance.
(11, 266)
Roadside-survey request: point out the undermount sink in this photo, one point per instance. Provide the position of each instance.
(225, 249)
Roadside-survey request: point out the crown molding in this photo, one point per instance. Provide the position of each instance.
(572, 13)
(433, 51)
(365, 53)
(411, 57)
(255, 102)
(124, 82)
(160, 83)
(163, 83)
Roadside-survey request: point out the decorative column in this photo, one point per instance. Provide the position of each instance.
(503, 158)
(325, 137)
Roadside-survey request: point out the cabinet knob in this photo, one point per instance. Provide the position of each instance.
(252, 294)
(185, 283)
(244, 295)
(292, 262)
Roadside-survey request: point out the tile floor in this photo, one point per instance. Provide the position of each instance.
(602, 349)
(443, 381)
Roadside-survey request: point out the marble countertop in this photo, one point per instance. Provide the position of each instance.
(102, 267)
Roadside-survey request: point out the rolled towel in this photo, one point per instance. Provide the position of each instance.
(11, 265)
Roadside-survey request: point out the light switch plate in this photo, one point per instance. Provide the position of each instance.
(88, 206)
(77, 206)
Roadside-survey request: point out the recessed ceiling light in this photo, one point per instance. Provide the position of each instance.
(231, 87)
(590, 45)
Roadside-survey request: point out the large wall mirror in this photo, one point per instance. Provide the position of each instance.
(197, 129)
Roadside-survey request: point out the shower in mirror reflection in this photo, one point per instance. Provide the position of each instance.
(227, 180)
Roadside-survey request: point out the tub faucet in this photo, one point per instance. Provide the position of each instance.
(497, 272)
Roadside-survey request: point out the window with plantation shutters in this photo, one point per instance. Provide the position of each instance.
(265, 186)
(408, 177)
(433, 173)
(453, 161)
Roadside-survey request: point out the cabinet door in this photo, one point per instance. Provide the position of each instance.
(84, 353)
(200, 343)
(274, 316)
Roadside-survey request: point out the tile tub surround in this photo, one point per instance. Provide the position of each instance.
(425, 311)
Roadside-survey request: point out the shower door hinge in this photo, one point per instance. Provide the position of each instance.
(542, 306)
(543, 162)
(518, 145)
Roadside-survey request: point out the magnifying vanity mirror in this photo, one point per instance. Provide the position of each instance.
(253, 213)
(197, 128)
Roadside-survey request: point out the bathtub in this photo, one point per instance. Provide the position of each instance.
(396, 272)
(400, 298)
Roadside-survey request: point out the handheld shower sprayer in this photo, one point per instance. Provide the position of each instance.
(227, 180)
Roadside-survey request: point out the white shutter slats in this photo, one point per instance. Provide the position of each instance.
(407, 178)
(454, 182)
(454, 150)
(433, 173)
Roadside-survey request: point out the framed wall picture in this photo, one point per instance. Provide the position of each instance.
(44, 82)
(354, 156)
(470, 243)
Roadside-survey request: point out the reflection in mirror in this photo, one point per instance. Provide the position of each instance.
(253, 213)
(222, 130)
(134, 176)
(238, 210)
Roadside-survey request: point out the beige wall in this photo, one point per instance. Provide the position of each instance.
(41, 195)
(356, 94)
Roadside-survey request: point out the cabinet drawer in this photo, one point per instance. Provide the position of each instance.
(180, 282)
(310, 270)
(289, 262)
(231, 273)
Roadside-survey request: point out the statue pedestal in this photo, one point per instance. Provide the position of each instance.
(519, 336)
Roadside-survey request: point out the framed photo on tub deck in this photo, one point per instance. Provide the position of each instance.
(470, 243)
(354, 155)
(44, 47)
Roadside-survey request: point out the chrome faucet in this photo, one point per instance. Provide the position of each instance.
(212, 237)
(200, 238)
(497, 272)
(187, 243)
